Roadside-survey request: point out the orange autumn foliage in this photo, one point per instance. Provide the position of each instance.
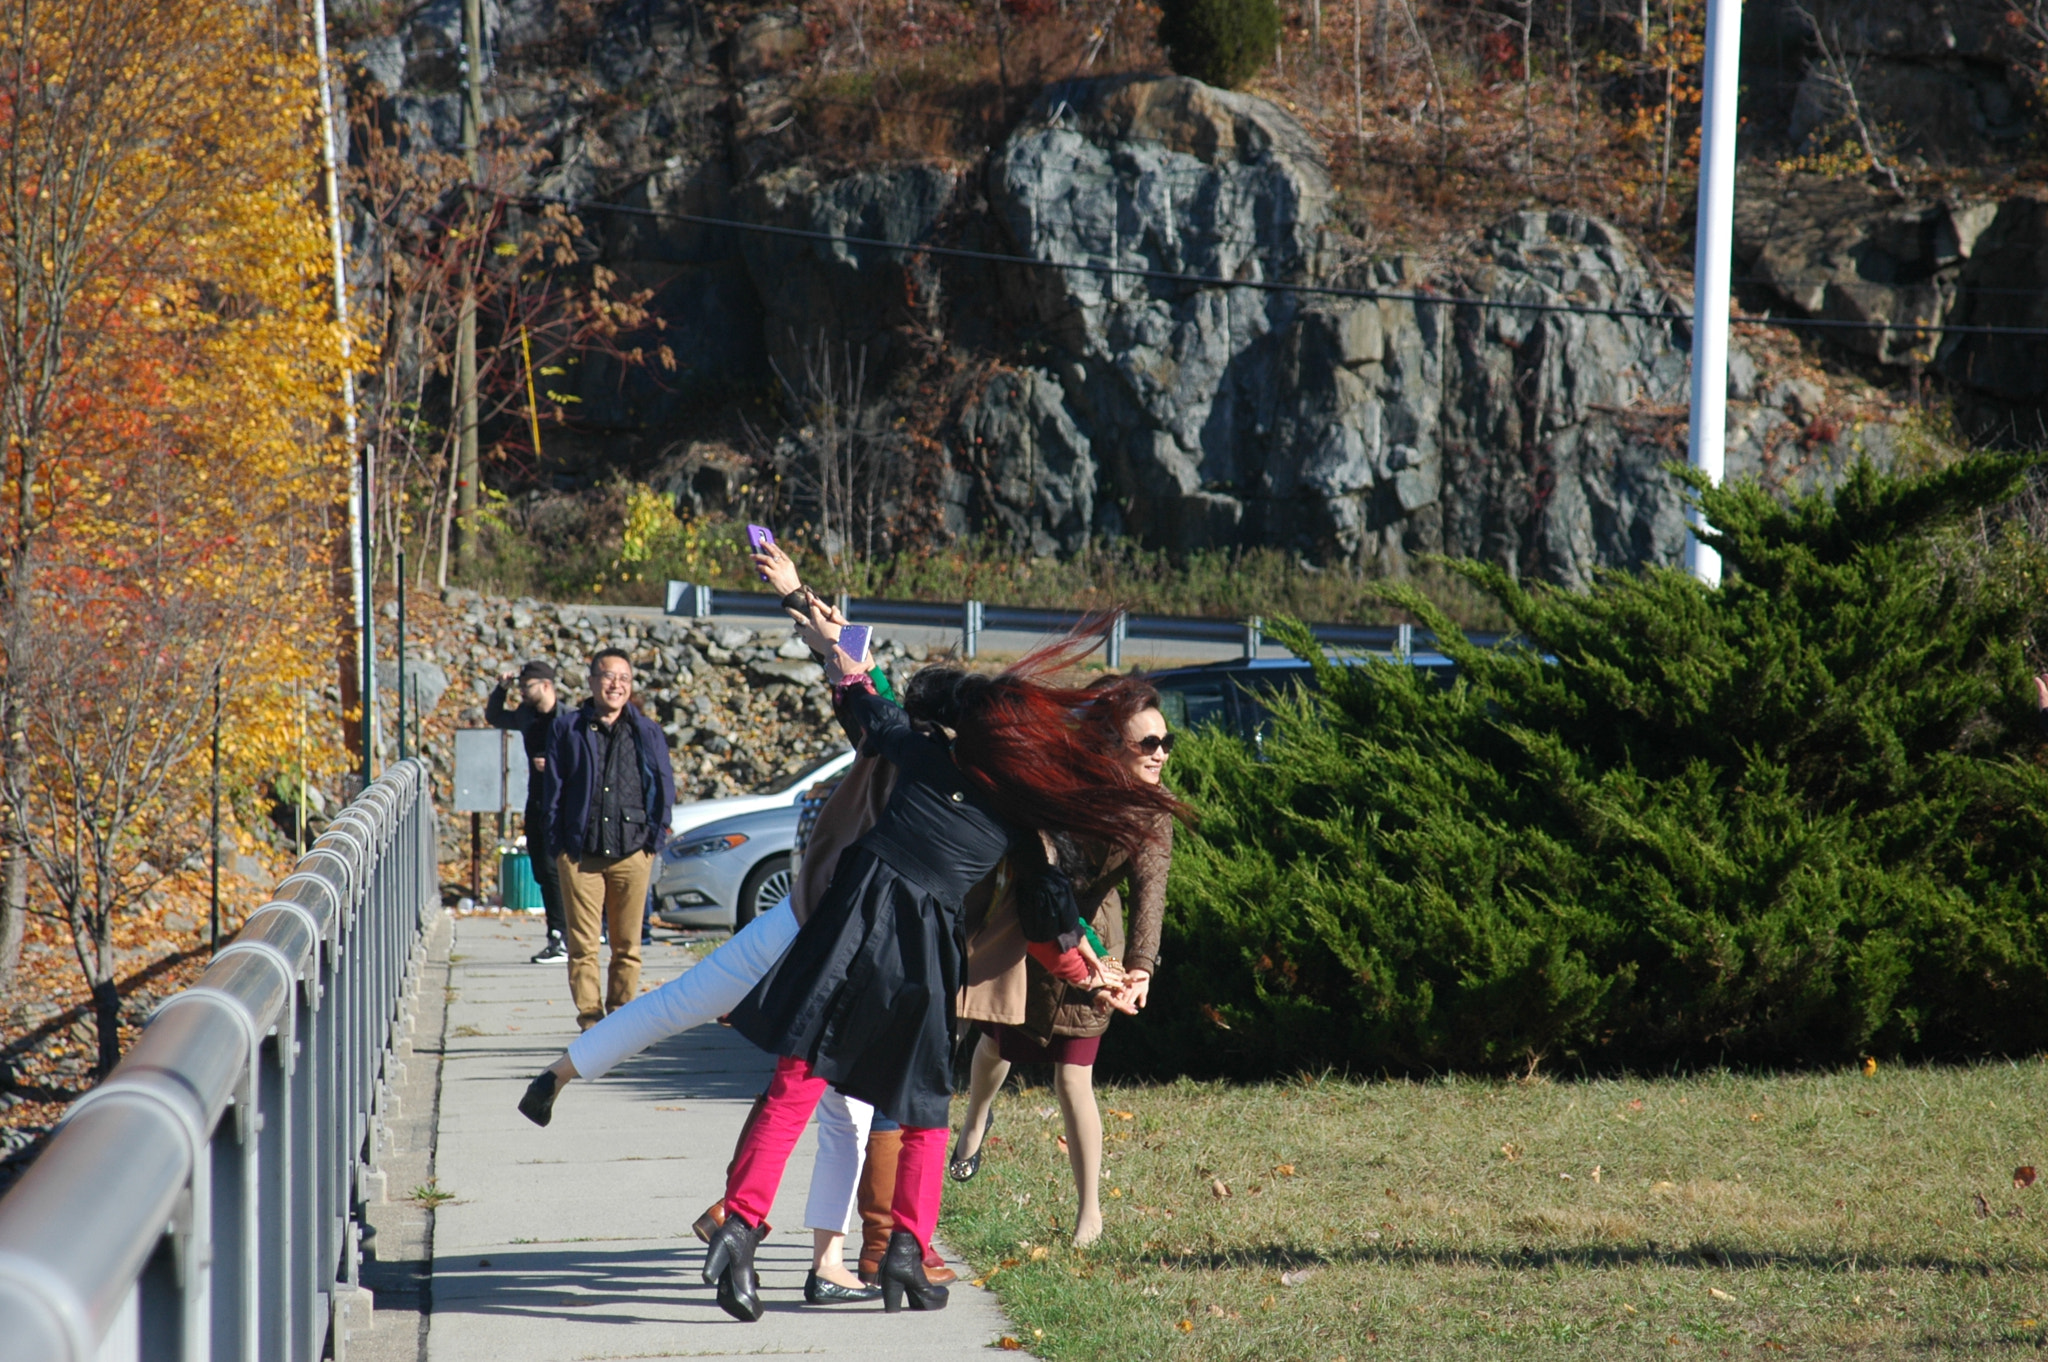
(168, 378)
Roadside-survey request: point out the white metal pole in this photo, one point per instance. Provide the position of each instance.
(1712, 261)
(359, 507)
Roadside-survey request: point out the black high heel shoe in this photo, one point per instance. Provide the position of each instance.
(730, 1264)
(902, 1275)
(538, 1105)
(963, 1170)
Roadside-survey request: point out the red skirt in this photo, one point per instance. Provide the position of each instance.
(1018, 1046)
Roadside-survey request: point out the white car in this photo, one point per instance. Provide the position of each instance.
(698, 812)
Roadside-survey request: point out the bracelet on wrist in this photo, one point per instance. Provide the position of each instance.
(797, 599)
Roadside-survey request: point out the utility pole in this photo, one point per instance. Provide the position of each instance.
(465, 336)
(213, 915)
(1713, 253)
(359, 522)
(402, 753)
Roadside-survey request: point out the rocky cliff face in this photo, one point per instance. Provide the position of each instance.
(1347, 427)
(1115, 395)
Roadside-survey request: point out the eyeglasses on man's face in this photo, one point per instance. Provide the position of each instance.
(1154, 742)
(613, 679)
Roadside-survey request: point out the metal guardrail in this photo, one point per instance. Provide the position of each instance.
(205, 1201)
(693, 601)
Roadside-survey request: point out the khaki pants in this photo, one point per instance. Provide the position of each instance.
(597, 893)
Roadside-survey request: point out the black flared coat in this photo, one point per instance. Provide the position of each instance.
(866, 992)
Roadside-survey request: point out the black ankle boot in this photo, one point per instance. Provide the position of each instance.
(730, 1263)
(538, 1105)
(903, 1274)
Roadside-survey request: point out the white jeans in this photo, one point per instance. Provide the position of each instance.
(707, 991)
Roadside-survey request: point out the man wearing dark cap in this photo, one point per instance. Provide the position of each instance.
(535, 688)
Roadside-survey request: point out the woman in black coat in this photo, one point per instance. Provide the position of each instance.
(864, 998)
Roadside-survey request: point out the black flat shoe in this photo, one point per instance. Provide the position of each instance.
(819, 1291)
(963, 1170)
(538, 1105)
(902, 1276)
(730, 1264)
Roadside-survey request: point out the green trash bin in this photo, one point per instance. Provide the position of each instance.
(517, 888)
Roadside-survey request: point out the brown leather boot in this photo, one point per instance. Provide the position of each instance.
(876, 1193)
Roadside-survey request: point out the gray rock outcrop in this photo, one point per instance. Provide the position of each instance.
(2005, 285)
(1846, 251)
(1349, 428)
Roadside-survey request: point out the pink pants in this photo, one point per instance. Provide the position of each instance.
(792, 1095)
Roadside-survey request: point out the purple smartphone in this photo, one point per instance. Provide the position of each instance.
(760, 536)
(853, 641)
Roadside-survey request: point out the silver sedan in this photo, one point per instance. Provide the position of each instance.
(727, 873)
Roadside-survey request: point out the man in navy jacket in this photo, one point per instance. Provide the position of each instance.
(613, 790)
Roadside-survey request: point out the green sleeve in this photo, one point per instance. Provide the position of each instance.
(883, 686)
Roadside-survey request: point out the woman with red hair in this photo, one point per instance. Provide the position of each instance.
(864, 998)
(1027, 1013)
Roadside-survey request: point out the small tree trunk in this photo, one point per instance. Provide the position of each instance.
(106, 1009)
(106, 995)
(1358, 72)
(13, 914)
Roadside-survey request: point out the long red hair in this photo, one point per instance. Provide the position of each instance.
(1038, 749)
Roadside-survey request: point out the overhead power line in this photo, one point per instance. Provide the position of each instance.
(1416, 296)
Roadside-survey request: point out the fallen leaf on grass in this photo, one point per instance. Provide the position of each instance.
(1218, 1189)
(1285, 1170)
(1215, 1017)
(1596, 1172)
(1038, 1254)
(1756, 1116)
(1116, 1191)
(1218, 1312)
(1268, 1303)
(1047, 1113)
(1009, 1344)
(2023, 1176)
(1772, 1345)
(1869, 1066)
(1635, 1104)
(1511, 1152)
(1564, 1177)
(1718, 1294)
(1123, 1115)
(1297, 1276)
(1983, 1206)
(1186, 1326)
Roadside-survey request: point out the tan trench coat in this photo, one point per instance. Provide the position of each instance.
(1006, 987)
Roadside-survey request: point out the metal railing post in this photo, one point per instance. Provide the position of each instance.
(970, 628)
(1254, 629)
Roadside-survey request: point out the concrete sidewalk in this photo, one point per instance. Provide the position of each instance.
(574, 1242)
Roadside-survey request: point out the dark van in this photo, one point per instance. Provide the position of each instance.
(1234, 694)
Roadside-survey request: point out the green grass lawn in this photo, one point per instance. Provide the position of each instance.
(1723, 1215)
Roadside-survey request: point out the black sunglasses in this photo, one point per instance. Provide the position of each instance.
(1153, 742)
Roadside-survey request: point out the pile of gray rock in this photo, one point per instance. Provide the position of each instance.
(743, 709)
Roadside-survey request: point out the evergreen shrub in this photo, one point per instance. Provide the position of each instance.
(1792, 820)
(1219, 42)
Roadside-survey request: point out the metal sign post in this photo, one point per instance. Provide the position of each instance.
(490, 777)
(1712, 263)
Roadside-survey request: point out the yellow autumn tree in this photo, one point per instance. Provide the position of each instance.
(168, 370)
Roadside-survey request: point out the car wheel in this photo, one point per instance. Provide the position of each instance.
(764, 888)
